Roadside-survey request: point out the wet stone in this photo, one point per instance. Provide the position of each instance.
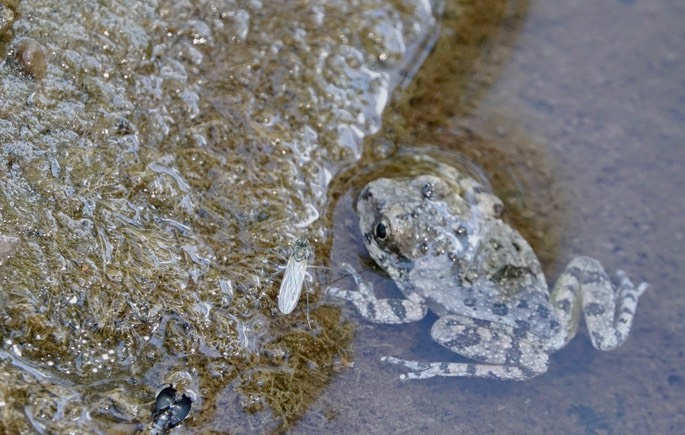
(6, 19)
(153, 180)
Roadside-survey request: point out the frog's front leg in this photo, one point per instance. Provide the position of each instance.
(390, 311)
(501, 352)
(608, 310)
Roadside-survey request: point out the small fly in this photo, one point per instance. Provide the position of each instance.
(293, 277)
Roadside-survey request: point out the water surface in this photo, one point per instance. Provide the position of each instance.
(597, 89)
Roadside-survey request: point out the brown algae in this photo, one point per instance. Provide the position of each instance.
(153, 180)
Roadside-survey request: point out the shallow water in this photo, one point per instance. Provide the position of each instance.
(598, 88)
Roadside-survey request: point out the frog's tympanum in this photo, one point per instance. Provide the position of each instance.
(447, 249)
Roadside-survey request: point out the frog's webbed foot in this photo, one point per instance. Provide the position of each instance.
(501, 351)
(390, 311)
(608, 309)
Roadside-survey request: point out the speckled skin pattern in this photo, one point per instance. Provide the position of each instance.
(444, 244)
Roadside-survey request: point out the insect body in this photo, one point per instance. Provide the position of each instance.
(293, 277)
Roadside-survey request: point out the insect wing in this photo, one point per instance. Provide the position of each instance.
(291, 287)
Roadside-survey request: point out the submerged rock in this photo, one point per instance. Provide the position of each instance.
(153, 180)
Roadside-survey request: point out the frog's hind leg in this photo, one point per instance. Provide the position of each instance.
(502, 352)
(608, 310)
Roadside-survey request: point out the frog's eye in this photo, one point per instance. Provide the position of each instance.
(381, 230)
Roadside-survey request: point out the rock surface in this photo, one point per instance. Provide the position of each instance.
(156, 168)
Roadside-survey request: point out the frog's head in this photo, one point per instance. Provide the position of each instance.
(405, 220)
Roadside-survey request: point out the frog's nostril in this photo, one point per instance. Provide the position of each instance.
(366, 194)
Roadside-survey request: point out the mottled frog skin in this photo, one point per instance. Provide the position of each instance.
(444, 244)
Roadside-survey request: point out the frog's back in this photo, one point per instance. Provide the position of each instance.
(499, 280)
(445, 242)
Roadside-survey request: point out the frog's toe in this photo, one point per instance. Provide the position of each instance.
(393, 360)
(416, 366)
(425, 370)
(365, 288)
(642, 288)
(339, 293)
(347, 267)
(627, 284)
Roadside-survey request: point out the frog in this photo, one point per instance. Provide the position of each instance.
(444, 243)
